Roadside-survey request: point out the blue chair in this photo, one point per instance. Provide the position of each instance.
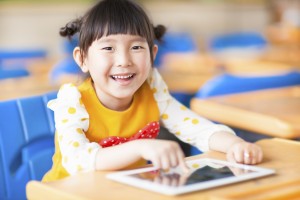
(26, 143)
(237, 40)
(13, 73)
(229, 84)
(172, 42)
(67, 65)
(13, 61)
(183, 97)
(22, 53)
(63, 67)
(16, 58)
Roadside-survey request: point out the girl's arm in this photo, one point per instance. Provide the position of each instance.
(198, 131)
(236, 148)
(188, 126)
(71, 120)
(162, 154)
(79, 154)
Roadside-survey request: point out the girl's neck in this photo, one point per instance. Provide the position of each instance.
(114, 103)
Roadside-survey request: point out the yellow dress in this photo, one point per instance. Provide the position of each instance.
(104, 122)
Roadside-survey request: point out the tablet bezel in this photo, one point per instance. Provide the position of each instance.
(123, 177)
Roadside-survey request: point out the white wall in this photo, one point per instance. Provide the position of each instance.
(26, 26)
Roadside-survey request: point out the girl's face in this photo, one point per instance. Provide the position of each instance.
(119, 65)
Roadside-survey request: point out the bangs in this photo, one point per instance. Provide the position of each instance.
(120, 18)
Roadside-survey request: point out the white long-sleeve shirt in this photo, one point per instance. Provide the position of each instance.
(80, 155)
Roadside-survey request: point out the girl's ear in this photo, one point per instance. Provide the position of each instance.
(154, 51)
(78, 59)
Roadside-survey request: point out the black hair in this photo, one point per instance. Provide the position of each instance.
(110, 17)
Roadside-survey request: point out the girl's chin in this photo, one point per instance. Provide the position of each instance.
(123, 95)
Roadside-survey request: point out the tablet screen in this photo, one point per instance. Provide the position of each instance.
(198, 175)
(204, 173)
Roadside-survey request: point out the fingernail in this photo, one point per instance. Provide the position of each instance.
(246, 155)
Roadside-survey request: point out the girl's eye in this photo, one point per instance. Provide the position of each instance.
(137, 47)
(107, 48)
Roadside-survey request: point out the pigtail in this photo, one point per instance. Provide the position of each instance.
(71, 28)
(159, 32)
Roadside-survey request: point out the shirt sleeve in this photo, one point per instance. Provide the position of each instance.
(188, 126)
(71, 122)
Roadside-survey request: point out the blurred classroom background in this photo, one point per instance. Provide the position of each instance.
(211, 48)
(205, 38)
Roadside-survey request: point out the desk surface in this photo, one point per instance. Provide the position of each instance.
(187, 72)
(274, 112)
(185, 82)
(279, 154)
(25, 86)
(37, 83)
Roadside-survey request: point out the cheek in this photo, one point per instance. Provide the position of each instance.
(144, 61)
(99, 63)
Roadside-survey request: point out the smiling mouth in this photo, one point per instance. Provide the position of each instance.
(122, 77)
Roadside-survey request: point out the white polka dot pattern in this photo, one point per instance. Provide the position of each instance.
(72, 120)
(181, 121)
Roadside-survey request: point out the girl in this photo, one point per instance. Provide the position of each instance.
(110, 120)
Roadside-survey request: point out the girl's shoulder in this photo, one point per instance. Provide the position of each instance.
(155, 80)
(158, 86)
(68, 91)
(67, 94)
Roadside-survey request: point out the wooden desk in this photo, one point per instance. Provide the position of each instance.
(38, 82)
(184, 82)
(257, 67)
(274, 112)
(187, 72)
(281, 155)
(25, 86)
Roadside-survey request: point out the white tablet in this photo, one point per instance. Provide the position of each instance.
(204, 173)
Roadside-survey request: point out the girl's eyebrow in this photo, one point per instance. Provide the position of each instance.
(138, 39)
(135, 39)
(105, 40)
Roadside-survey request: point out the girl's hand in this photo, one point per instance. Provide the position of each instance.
(163, 154)
(245, 152)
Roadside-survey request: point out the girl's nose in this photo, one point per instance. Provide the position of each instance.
(124, 59)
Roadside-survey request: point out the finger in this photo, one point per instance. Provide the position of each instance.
(157, 179)
(260, 156)
(183, 178)
(238, 156)
(257, 154)
(248, 157)
(166, 180)
(156, 163)
(230, 157)
(165, 161)
(173, 160)
(174, 183)
(182, 163)
(174, 179)
(254, 158)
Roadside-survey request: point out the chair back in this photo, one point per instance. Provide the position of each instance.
(179, 42)
(26, 143)
(22, 53)
(237, 40)
(228, 83)
(13, 73)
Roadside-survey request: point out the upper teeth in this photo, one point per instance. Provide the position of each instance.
(123, 77)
